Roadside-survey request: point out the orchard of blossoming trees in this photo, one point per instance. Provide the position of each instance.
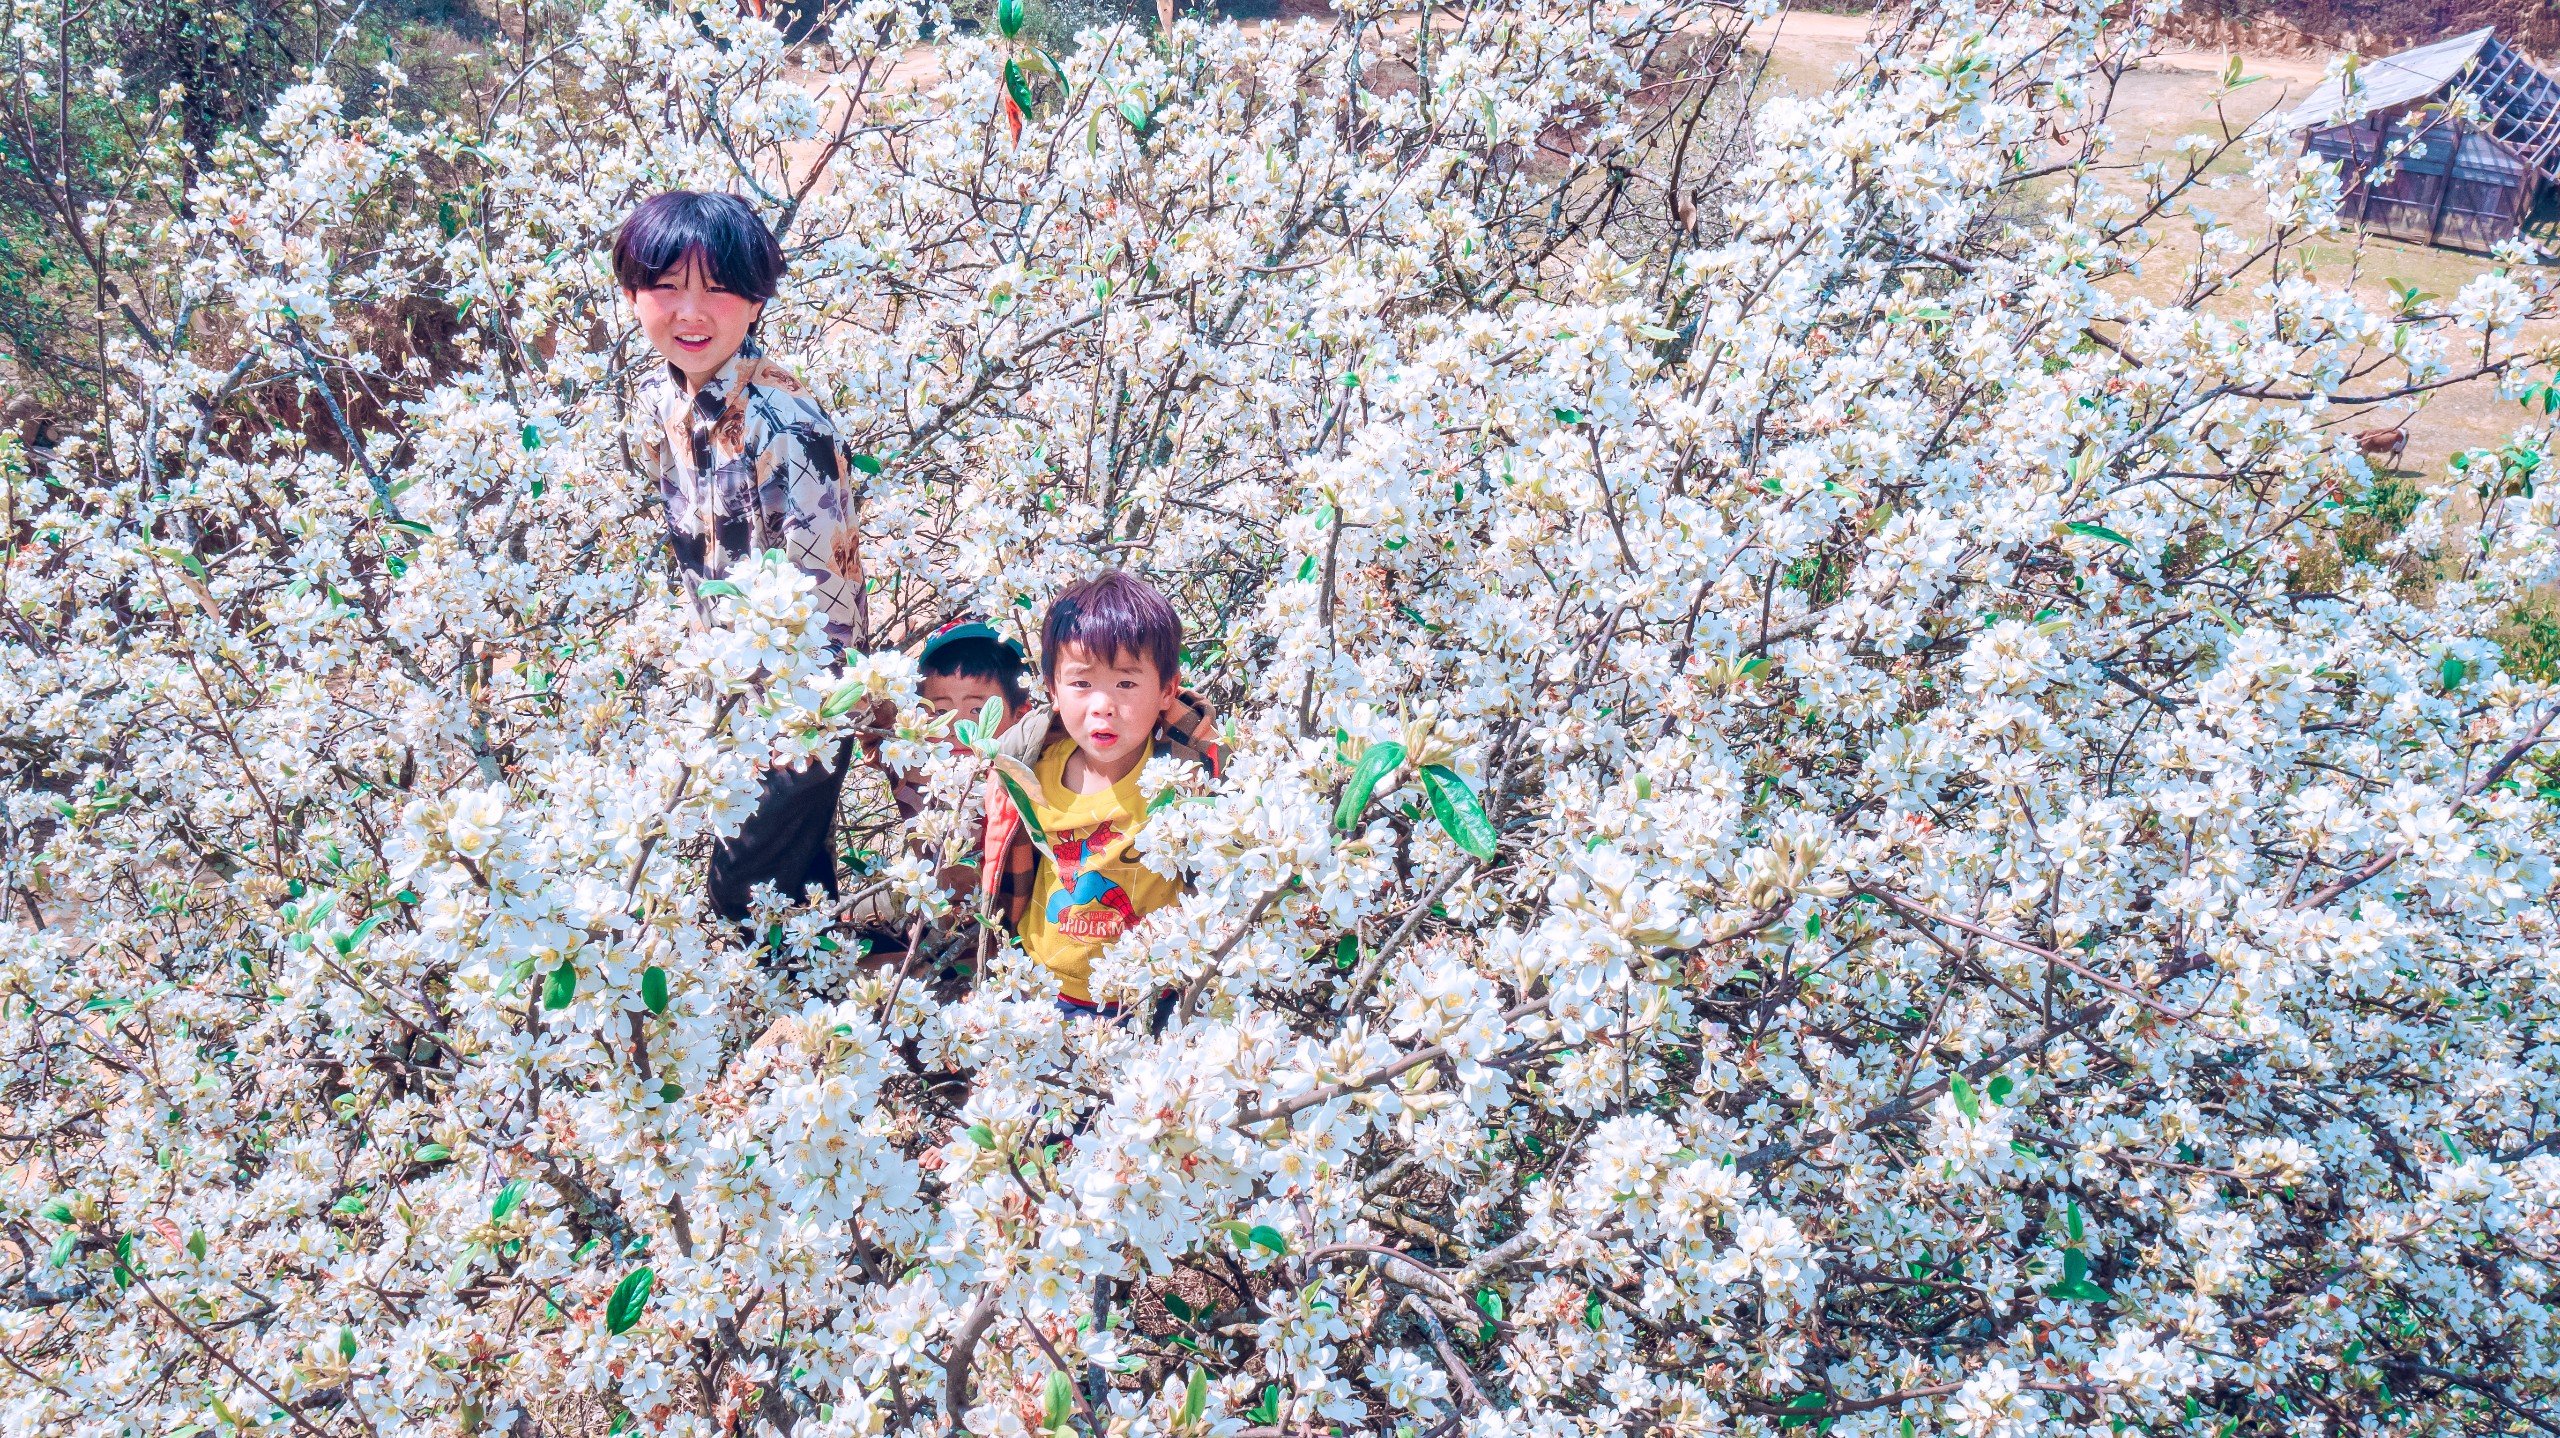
(2008, 900)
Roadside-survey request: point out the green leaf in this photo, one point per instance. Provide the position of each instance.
(2452, 671)
(2098, 531)
(1058, 1403)
(1592, 1309)
(1263, 1235)
(63, 1248)
(532, 436)
(1022, 806)
(841, 702)
(432, 1153)
(1376, 763)
(1458, 810)
(653, 989)
(1179, 1308)
(2075, 1285)
(630, 1299)
(347, 942)
(2000, 1088)
(1568, 416)
(715, 588)
(59, 1210)
(1009, 17)
(867, 463)
(982, 1136)
(1966, 1099)
(1018, 87)
(561, 987)
(2071, 1219)
(1489, 1303)
(990, 720)
(507, 1200)
(1266, 1410)
(196, 1245)
(1346, 951)
(670, 1092)
(1802, 1409)
(346, 1341)
(1195, 1399)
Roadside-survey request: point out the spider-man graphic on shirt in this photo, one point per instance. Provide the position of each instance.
(1087, 905)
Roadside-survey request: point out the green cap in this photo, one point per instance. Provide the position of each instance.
(960, 629)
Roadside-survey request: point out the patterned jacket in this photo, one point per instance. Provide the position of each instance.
(1008, 860)
(752, 463)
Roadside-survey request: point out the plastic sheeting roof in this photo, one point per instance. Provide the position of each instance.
(2391, 80)
(2520, 104)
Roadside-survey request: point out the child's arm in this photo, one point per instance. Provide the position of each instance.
(1029, 737)
(808, 503)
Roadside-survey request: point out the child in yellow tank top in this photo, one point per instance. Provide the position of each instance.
(1067, 878)
(1096, 890)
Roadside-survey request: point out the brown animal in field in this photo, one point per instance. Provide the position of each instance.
(2382, 447)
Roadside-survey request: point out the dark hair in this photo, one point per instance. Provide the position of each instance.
(737, 251)
(1111, 615)
(984, 660)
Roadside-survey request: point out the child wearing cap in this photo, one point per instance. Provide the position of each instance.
(965, 664)
(962, 665)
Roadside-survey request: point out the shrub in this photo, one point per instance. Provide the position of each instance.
(2027, 970)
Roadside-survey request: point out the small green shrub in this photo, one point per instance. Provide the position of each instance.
(2529, 640)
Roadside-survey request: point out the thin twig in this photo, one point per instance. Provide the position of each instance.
(243, 1374)
(1404, 933)
(964, 1349)
(1448, 1354)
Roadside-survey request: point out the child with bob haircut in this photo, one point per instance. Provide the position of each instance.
(746, 461)
(1063, 876)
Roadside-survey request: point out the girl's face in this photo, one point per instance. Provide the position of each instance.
(692, 321)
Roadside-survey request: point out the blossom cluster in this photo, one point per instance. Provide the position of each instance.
(1834, 816)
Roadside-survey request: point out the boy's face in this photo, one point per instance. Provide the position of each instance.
(1110, 704)
(691, 320)
(963, 694)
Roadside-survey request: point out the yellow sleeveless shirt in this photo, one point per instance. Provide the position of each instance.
(1097, 890)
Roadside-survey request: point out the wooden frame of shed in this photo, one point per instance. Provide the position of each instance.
(2462, 185)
